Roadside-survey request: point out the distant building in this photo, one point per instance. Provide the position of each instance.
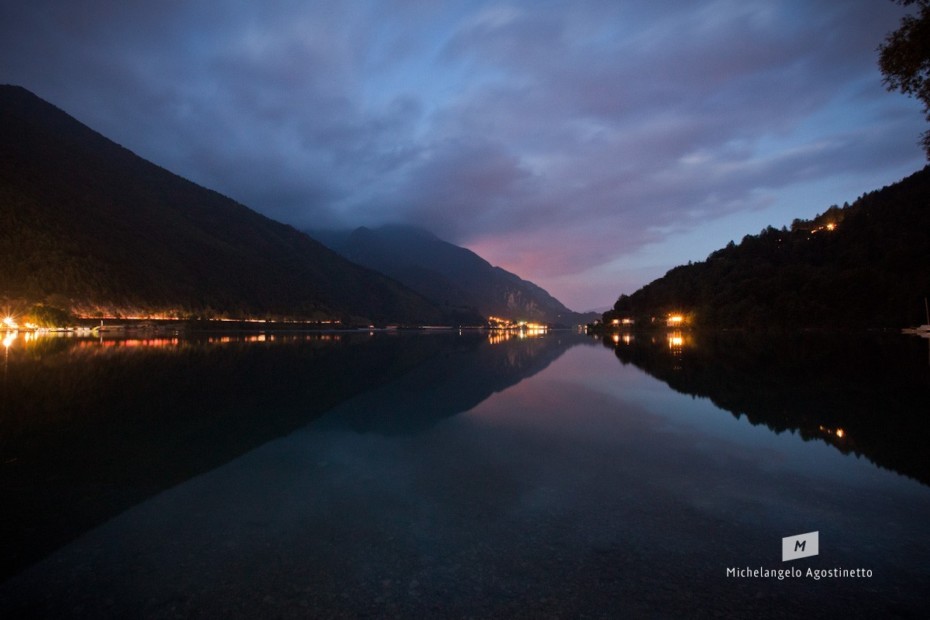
(675, 320)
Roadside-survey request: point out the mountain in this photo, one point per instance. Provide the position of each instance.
(860, 265)
(452, 276)
(87, 224)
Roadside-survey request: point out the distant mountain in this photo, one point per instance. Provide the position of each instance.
(87, 224)
(452, 276)
(860, 265)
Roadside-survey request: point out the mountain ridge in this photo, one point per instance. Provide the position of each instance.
(91, 225)
(450, 275)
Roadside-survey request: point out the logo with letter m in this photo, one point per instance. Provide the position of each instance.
(800, 546)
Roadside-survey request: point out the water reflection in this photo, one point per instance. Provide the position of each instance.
(587, 490)
(87, 339)
(497, 336)
(91, 426)
(866, 394)
(463, 376)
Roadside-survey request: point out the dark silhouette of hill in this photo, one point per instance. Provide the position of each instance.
(450, 275)
(85, 223)
(860, 265)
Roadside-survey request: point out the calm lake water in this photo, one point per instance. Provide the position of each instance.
(463, 475)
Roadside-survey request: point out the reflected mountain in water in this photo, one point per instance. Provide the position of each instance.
(864, 394)
(90, 427)
(466, 373)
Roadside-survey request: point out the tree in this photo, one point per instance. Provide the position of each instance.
(904, 59)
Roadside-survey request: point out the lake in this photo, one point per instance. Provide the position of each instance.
(368, 475)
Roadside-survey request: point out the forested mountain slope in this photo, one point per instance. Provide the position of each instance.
(87, 224)
(860, 265)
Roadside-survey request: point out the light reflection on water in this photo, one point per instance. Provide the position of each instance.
(85, 340)
(578, 486)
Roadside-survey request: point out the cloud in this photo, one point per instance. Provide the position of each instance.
(555, 137)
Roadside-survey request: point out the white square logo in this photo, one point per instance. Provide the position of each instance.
(800, 546)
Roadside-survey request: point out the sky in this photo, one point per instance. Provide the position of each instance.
(588, 146)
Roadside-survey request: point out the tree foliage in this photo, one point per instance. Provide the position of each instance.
(904, 59)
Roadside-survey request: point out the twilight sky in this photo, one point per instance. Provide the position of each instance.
(588, 146)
